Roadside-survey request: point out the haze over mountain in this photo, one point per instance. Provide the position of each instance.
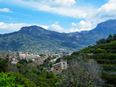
(38, 39)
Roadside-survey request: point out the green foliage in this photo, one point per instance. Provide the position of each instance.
(23, 61)
(14, 80)
(48, 79)
(38, 74)
(79, 71)
(104, 52)
(99, 50)
(101, 41)
(3, 65)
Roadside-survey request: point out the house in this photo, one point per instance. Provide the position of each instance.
(23, 55)
(14, 61)
(59, 67)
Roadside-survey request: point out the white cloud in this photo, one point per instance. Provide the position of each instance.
(74, 27)
(62, 7)
(90, 16)
(51, 2)
(82, 26)
(56, 27)
(106, 12)
(65, 2)
(70, 12)
(70, 8)
(5, 10)
(11, 27)
(59, 2)
(108, 9)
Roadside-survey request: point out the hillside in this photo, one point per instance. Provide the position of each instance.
(38, 39)
(34, 38)
(94, 65)
(104, 52)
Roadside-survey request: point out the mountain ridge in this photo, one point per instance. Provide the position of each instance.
(35, 38)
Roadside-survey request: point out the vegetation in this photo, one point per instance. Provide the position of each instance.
(94, 66)
(26, 74)
(14, 80)
(80, 71)
(104, 52)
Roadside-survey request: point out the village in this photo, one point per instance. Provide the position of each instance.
(58, 64)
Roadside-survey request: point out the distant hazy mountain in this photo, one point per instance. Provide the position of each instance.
(37, 39)
(102, 30)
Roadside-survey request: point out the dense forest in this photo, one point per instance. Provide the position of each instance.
(94, 66)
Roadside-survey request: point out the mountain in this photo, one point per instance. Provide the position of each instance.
(38, 39)
(102, 30)
(34, 38)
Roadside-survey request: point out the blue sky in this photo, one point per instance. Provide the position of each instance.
(56, 15)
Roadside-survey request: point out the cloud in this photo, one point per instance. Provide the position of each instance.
(5, 10)
(70, 8)
(59, 2)
(108, 9)
(89, 16)
(70, 12)
(74, 27)
(106, 12)
(51, 2)
(56, 27)
(65, 2)
(82, 26)
(62, 7)
(11, 27)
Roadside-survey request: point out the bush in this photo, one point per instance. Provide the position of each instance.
(14, 80)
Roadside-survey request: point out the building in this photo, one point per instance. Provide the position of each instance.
(14, 61)
(59, 67)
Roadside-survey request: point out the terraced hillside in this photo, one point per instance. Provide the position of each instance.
(104, 52)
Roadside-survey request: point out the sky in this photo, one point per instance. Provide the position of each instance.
(56, 15)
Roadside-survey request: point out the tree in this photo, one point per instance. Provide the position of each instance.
(3, 65)
(48, 79)
(99, 50)
(80, 74)
(101, 41)
(14, 80)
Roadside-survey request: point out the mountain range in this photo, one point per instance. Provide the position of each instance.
(38, 39)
